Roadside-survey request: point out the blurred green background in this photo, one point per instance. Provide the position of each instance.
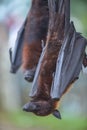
(14, 89)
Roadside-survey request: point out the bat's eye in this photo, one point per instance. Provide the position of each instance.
(38, 107)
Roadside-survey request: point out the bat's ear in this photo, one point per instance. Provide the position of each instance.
(57, 114)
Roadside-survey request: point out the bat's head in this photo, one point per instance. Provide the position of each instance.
(42, 108)
(29, 74)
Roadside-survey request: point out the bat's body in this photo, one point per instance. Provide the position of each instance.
(35, 30)
(64, 51)
(60, 61)
(42, 97)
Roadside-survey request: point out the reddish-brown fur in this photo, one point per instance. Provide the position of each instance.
(35, 31)
(42, 104)
(42, 98)
(48, 65)
(31, 55)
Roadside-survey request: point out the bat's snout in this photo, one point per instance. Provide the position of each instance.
(29, 76)
(29, 107)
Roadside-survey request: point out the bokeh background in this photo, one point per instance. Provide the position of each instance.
(14, 89)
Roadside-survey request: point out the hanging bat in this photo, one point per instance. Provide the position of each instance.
(28, 46)
(67, 48)
(42, 104)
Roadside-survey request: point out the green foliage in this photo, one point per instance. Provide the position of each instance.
(29, 121)
(79, 11)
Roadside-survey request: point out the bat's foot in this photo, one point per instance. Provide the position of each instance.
(29, 75)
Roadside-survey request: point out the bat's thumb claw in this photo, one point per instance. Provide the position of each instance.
(57, 114)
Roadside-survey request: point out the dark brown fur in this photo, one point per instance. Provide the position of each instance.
(42, 99)
(49, 61)
(35, 31)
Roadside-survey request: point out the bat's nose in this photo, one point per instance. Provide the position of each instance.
(29, 107)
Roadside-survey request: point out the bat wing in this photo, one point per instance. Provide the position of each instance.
(16, 54)
(69, 62)
(35, 81)
(67, 14)
(59, 7)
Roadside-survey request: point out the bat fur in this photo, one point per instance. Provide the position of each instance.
(28, 46)
(35, 31)
(42, 101)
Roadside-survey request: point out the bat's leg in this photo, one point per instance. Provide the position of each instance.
(85, 60)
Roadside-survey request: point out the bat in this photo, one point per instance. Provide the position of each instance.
(50, 84)
(42, 104)
(28, 46)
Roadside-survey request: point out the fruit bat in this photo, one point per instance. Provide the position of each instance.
(49, 83)
(41, 100)
(28, 46)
